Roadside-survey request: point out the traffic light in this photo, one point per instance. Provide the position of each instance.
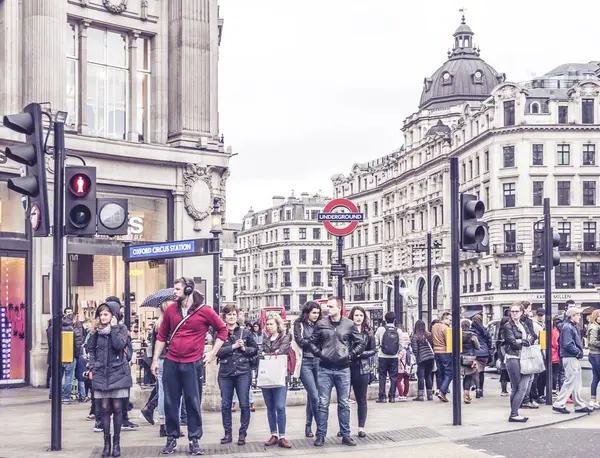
(80, 201)
(474, 233)
(31, 154)
(555, 244)
(537, 261)
(112, 216)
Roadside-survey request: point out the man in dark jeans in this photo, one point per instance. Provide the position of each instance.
(184, 366)
(443, 358)
(335, 341)
(388, 356)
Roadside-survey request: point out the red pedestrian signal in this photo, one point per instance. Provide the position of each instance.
(80, 201)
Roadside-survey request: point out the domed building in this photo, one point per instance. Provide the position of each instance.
(465, 76)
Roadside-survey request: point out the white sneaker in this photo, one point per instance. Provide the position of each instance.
(404, 399)
(594, 405)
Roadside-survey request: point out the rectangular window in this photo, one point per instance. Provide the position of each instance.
(72, 74)
(509, 276)
(376, 234)
(536, 278)
(302, 233)
(564, 231)
(589, 193)
(108, 74)
(589, 154)
(509, 195)
(563, 154)
(563, 115)
(590, 272)
(303, 298)
(564, 192)
(589, 236)
(302, 279)
(316, 257)
(509, 156)
(375, 208)
(317, 279)
(486, 161)
(587, 111)
(366, 236)
(538, 193)
(509, 113)
(286, 234)
(302, 256)
(538, 154)
(510, 238)
(143, 87)
(477, 166)
(366, 211)
(564, 276)
(316, 234)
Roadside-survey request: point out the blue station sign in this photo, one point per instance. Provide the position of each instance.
(169, 250)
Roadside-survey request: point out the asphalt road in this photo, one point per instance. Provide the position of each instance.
(575, 438)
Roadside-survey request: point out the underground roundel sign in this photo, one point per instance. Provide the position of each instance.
(340, 217)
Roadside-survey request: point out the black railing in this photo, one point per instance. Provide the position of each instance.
(509, 284)
(358, 273)
(317, 262)
(478, 287)
(269, 285)
(286, 283)
(488, 286)
(270, 264)
(505, 248)
(359, 297)
(317, 283)
(286, 262)
(590, 246)
(464, 288)
(471, 288)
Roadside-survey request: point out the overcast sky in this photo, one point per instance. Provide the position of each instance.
(310, 87)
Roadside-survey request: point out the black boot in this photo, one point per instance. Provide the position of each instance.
(106, 451)
(116, 446)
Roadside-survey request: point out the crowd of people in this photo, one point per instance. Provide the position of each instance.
(327, 351)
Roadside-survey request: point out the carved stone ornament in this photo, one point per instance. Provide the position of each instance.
(144, 13)
(507, 92)
(117, 9)
(589, 90)
(198, 192)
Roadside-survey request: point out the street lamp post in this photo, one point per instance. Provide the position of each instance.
(216, 231)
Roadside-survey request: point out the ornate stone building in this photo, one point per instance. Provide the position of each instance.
(517, 143)
(228, 267)
(284, 255)
(139, 81)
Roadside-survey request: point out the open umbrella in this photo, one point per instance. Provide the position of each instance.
(154, 300)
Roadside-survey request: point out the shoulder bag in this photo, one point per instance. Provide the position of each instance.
(185, 318)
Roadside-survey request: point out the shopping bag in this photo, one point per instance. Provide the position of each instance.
(272, 371)
(532, 361)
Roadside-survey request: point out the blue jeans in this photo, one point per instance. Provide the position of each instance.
(595, 362)
(309, 375)
(161, 391)
(241, 384)
(444, 371)
(250, 393)
(275, 401)
(328, 379)
(69, 371)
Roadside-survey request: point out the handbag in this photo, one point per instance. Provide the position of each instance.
(467, 360)
(272, 371)
(367, 365)
(532, 361)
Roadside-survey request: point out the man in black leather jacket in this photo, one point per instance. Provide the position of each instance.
(335, 341)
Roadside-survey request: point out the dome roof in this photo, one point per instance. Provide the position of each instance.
(463, 77)
(439, 129)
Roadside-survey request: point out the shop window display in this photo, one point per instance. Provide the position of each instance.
(12, 213)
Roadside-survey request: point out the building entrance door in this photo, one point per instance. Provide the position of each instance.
(13, 323)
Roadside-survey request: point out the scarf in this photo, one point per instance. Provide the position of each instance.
(105, 331)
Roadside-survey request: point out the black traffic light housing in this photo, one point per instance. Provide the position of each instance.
(80, 201)
(31, 154)
(473, 232)
(538, 260)
(113, 216)
(555, 244)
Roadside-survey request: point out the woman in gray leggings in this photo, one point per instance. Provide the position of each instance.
(516, 336)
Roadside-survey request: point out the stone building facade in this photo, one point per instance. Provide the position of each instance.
(516, 143)
(228, 268)
(139, 81)
(284, 256)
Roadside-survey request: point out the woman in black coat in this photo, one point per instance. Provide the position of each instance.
(360, 369)
(111, 373)
(235, 372)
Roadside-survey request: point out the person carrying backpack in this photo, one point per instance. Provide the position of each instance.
(388, 342)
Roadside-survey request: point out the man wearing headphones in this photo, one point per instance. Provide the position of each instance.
(183, 331)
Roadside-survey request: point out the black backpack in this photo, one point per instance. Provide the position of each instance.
(390, 341)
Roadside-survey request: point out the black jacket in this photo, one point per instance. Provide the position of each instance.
(302, 335)
(422, 349)
(232, 361)
(470, 343)
(569, 341)
(108, 363)
(281, 345)
(336, 343)
(368, 338)
(514, 340)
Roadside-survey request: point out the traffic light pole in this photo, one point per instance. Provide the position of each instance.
(549, 248)
(455, 292)
(57, 285)
(429, 304)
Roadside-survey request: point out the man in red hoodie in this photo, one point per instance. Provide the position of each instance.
(184, 366)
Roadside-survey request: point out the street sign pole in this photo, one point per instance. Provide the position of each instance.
(340, 278)
(429, 286)
(57, 286)
(548, 246)
(455, 293)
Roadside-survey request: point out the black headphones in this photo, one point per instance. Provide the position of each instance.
(189, 285)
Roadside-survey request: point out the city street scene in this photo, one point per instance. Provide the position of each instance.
(253, 228)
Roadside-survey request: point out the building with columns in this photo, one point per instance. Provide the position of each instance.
(284, 255)
(139, 81)
(517, 143)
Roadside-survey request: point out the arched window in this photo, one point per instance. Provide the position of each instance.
(534, 108)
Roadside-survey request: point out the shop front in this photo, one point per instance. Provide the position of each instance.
(15, 296)
(96, 270)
